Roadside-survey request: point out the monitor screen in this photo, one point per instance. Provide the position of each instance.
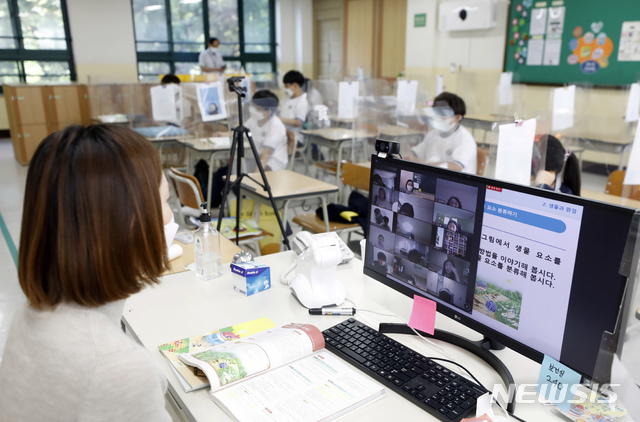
(535, 270)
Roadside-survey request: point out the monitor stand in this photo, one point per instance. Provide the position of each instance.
(479, 348)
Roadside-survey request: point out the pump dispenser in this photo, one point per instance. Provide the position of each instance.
(207, 248)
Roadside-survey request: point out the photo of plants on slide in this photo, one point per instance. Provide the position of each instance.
(228, 367)
(498, 302)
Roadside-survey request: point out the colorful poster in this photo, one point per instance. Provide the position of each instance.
(629, 50)
(590, 50)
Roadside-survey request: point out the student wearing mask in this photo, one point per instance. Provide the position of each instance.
(210, 60)
(293, 112)
(447, 144)
(66, 356)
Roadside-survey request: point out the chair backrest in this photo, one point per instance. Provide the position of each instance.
(187, 188)
(614, 183)
(355, 175)
(483, 157)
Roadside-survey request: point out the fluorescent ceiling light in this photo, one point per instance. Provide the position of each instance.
(153, 7)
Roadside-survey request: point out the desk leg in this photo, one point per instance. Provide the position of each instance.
(325, 212)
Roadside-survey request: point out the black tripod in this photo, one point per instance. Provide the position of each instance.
(238, 144)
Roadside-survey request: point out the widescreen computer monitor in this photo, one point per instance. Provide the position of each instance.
(535, 270)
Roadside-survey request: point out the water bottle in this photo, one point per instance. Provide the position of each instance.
(207, 248)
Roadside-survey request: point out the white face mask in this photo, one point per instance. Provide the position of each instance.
(170, 230)
(255, 113)
(443, 125)
(289, 92)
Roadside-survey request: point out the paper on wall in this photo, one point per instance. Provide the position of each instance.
(633, 104)
(406, 97)
(555, 22)
(505, 92)
(439, 85)
(629, 50)
(347, 93)
(515, 150)
(552, 49)
(164, 102)
(632, 176)
(538, 21)
(563, 108)
(534, 52)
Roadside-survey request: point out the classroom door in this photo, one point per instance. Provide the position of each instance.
(329, 49)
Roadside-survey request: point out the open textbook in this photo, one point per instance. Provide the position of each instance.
(188, 379)
(282, 374)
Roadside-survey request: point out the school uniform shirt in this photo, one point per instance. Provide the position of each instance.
(271, 135)
(210, 59)
(295, 108)
(74, 363)
(459, 147)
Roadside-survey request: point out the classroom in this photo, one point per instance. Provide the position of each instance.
(501, 110)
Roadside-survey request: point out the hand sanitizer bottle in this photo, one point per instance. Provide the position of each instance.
(207, 248)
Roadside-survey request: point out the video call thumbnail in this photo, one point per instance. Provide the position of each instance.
(420, 231)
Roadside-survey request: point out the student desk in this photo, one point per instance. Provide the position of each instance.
(335, 139)
(611, 199)
(183, 305)
(401, 133)
(287, 188)
(602, 143)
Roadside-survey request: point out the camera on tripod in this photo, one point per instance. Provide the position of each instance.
(238, 89)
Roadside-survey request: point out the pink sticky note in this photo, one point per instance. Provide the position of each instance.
(423, 314)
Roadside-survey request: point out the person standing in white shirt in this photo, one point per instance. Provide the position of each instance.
(210, 60)
(293, 112)
(447, 144)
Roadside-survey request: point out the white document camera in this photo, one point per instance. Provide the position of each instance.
(316, 283)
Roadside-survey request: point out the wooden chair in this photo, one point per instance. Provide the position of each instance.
(353, 175)
(483, 158)
(190, 195)
(616, 187)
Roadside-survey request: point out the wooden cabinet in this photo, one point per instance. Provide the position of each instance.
(35, 111)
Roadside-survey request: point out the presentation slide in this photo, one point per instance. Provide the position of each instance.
(527, 255)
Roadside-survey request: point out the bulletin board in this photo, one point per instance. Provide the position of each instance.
(574, 41)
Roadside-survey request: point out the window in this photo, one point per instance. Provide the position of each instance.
(34, 42)
(170, 34)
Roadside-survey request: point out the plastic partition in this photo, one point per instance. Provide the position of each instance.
(328, 90)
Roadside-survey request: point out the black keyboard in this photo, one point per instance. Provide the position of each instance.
(422, 381)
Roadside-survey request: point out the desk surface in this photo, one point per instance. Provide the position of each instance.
(611, 199)
(287, 184)
(390, 130)
(337, 133)
(203, 144)
(183, 305)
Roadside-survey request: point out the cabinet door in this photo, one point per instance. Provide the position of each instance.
(65, 103)
(28, 104)
(29, 138)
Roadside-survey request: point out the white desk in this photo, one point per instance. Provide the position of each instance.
(183, 305)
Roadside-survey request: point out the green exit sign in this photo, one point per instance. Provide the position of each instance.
(419, 20)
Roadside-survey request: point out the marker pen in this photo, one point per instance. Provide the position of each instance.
(332, 311)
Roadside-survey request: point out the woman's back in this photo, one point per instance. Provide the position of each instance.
(75, 363)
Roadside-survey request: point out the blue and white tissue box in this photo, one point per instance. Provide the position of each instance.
(250, 278)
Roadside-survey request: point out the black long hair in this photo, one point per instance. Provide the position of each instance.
(558, 158)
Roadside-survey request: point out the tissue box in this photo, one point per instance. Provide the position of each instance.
(250, 277)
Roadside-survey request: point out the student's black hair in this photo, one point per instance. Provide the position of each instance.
(377, 180)
(170, 78)
(414, 256)
(456, 103)
(293, 77)
(457, 199)
(266, 99)
(382, 257)
(406, 209)
(213, 39)
(385, 219)
(555, 161)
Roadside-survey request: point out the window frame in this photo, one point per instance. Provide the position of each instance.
(171, 57)
(20, 54)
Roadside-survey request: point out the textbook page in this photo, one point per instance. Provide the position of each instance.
(232, 362)
(164, 102)
(185, 374)
(319, 387)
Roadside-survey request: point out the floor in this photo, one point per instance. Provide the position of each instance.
(12, 182)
